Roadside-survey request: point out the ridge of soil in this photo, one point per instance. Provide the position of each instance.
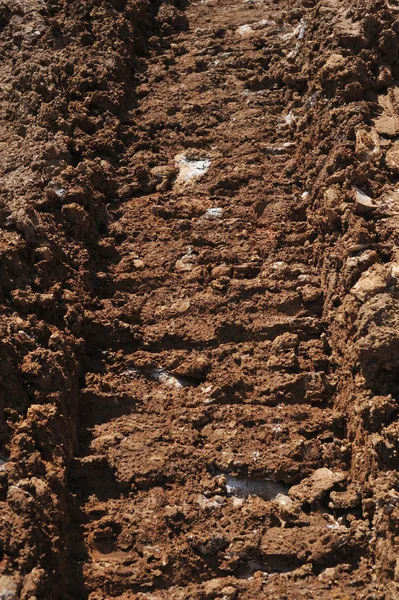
(199, 299)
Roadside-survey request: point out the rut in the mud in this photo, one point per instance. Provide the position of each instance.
(220, 397)
(199, 299)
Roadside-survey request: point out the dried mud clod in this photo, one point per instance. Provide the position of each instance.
(199, 382)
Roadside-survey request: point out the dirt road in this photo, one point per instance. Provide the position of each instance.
(199, 300)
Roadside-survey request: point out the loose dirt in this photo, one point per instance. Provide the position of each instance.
(199, 299)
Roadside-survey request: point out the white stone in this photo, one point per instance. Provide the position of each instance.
(290, 118)
(213, 213)
(242, 487)
(245, 30)
(190, 168)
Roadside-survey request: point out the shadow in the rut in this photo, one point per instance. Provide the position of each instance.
(90, 476)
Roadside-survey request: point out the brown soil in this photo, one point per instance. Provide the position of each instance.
(199, 299)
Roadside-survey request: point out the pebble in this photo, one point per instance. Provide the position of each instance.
(191, 168)
(290, 118)
(242, 487)
(162, 376)
(213, 213)
(245, 30)
(138, 263)
(60, 192)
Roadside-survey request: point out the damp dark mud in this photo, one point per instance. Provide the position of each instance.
(199, 299)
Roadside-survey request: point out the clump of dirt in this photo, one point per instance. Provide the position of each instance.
(199, 299)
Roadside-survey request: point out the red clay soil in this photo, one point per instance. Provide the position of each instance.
(199, 300)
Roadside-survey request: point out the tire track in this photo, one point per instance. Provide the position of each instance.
(211, 279)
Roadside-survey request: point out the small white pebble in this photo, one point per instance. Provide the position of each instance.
(191, 168)
(245, 30)
(290, 118)
(213, 213)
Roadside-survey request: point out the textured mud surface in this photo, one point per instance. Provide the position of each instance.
(199, 299)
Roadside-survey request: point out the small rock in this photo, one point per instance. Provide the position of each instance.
(387, 123)
(191, 168)
(385, 76)
(196, 274)
(213, 213)
(290, 118)
(390, 202)
(138, 263)
(362, 262)
(337, 177)
(157, 573)
(163, 175)
(334, 63)
(282, 362)
(245, 30)
(285, 342)
(173, 17)
(174, 511)
(195, 365)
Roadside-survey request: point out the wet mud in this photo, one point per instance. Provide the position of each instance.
(199, 299)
